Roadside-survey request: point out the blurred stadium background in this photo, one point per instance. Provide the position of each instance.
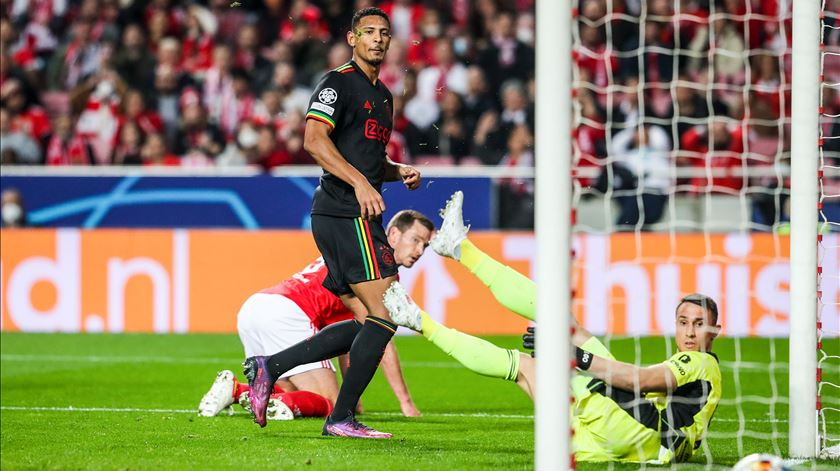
(153, 174)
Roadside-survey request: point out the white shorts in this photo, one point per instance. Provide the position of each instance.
(269, 323)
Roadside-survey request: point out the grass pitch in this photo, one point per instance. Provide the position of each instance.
(129, 401)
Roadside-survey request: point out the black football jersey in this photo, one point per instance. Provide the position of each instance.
(360, 114)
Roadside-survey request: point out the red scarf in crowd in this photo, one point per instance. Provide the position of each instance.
(73, 152)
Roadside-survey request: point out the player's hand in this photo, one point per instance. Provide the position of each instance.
(370, 201)
(410, 176)
(409, 409)
(528, 339)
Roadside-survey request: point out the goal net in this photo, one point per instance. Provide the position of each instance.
(682, 151)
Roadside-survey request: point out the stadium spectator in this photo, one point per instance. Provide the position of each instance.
(446, 74)
(198, 45)
(494, 128)
(99, 120)
(269, 153)
(516, 195)
(28, 48)
(393, 69)
(134, 109)
(134, 61)
(292, 137)
(17, 147)
(218, 94)
(644, 153)
(448, 136)
(716, 147)
(690, 105)
(67, 147)
(306, 33)
(421, 44)
(239, 107)
(590, 134)
(728, 59)
(405, 18)
(504, 57)
(26, 116)
(249, 57)
(228, 20)
(76, 60)
(268, 110)
(477, 99)
(195, 133)
(767, 85)
(128, 150)
(294, 98)
(12, 209)
(167, 94)
(155, 152)
(243, 151)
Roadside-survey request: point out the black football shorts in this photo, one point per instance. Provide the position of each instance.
(355, 250)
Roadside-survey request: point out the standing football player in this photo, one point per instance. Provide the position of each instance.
(348, 126)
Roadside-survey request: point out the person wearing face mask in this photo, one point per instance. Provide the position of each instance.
(13, 212)
(505, 57)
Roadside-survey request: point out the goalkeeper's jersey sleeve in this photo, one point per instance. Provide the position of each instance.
(685, 413)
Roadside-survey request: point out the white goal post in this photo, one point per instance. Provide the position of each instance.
(803, 438)
(553, 232)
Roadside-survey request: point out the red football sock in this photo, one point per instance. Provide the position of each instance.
(242, 388)
(307, 404)
(239, 389)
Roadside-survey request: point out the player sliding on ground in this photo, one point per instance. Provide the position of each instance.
(291, 312)
(623, 412)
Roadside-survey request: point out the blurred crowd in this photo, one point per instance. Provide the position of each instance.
(659, 83)
(695, 85)
(226, 83)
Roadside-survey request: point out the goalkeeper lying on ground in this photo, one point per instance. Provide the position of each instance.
(657, 414)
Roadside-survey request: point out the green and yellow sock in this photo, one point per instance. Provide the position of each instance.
(474, 353)
(512, 289)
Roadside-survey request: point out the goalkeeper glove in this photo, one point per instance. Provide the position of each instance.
(528, 339)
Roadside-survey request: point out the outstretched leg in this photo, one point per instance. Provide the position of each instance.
(474, 353)
(512, 289)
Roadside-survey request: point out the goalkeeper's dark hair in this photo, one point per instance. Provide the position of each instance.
(404, 219)
(371, 11)
(703, 301)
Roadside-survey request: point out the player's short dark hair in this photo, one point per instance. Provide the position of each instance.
(370, 11)
(703, 301)
(404, 219)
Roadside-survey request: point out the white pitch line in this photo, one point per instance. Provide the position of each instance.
(98, 409)
(13, 357)
(477, 415)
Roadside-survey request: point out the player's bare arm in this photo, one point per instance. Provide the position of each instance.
(317, 142)
(656, 378)
(393, 373)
